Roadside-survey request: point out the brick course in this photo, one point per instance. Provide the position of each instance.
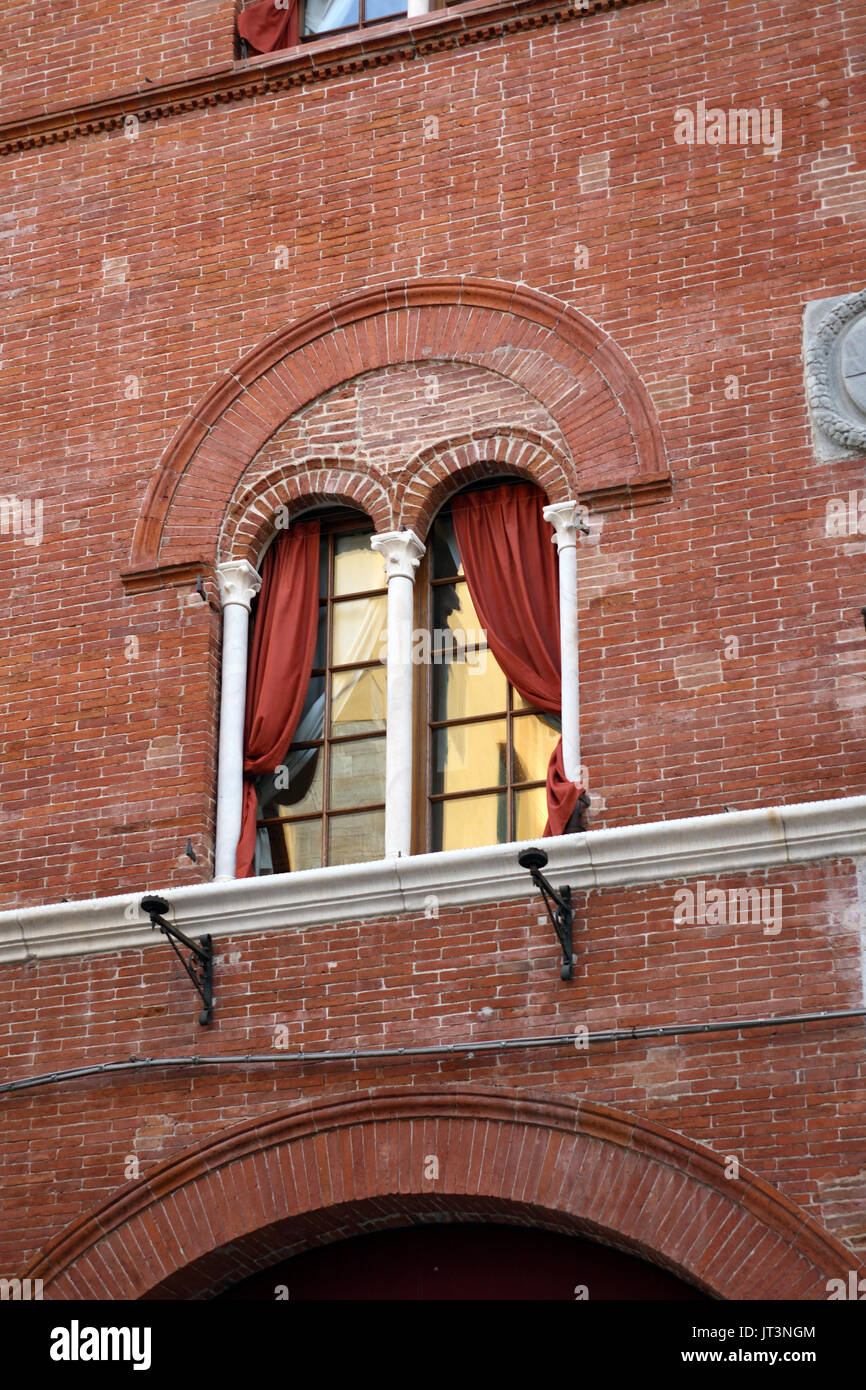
(161, 371)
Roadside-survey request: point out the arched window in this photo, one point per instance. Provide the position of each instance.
(474, 758)
(325, 802)
(487, 749)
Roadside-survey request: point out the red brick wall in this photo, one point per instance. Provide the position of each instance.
(787, 1103)
(140, 270)
(56, 54)
(699, 263)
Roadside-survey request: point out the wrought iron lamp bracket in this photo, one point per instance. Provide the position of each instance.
(199, 965)
(559, 906)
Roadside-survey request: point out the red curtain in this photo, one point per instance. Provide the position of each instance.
(510, 564)
(281, 659)
(267, 26)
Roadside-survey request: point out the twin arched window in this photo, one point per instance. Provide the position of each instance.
(481, 750)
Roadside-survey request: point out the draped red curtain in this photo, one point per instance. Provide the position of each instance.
(267, 26)
(281, 659)
(510, 565)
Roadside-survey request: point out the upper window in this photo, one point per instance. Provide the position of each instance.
(266, 26)
(487, 749)
(325, 803)
(329, 16)
(482, 748)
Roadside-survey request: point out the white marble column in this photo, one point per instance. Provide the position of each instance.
(401, 551)
(238, 584)
(567, 518)
(416, 7)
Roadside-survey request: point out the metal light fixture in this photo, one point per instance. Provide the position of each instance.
(199, 967)
(558, 904)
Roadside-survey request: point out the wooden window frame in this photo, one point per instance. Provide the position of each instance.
(363, 23)
(424, 725)
(334, 523)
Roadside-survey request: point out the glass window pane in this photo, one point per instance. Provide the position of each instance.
(381, 9)
(282, 849)
(357, 773)
(454, 611)
(354, 839)
(319, 654)
(462, 688)
(294, 789)
(530, 813)
(322, 15)
(519, 703)
(443, 544)
(303, 840)
(534, 742)
(323, 565)
(472, 820)
(470, 756)
(312, 721)
(358, 701)
(359, 631)
(357, 567)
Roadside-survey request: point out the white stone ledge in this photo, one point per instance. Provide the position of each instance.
(738, 842)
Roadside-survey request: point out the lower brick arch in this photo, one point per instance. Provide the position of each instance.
(317, 1173)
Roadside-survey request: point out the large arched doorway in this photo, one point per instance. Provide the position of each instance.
(320, 1173)
(465, 1262)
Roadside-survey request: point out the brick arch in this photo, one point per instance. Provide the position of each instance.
(285, 1182)
(565, 360)
(434, 473)
(249, 522)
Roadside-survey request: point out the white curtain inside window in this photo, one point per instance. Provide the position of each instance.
(320, 16)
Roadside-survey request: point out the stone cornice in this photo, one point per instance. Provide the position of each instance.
(742, 842)
(310, 63)
(646, 491)
(185, 572)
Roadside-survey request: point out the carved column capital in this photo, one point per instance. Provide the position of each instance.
(401, 551)
(567, 519)
(238, 583)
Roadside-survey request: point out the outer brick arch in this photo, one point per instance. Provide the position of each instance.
(562, 357)
(286, 1182)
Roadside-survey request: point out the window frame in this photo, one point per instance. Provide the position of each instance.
(423, 707)
(334, 522)
(347, 28)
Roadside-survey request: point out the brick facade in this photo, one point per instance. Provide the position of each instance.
(371, 277)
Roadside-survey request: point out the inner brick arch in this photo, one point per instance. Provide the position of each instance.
(560, 356)
(411, 499)
(283, 1183)
(436, 473)
(249, 524)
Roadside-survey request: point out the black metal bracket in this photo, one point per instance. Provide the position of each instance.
(199, 967)
(559, 907)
